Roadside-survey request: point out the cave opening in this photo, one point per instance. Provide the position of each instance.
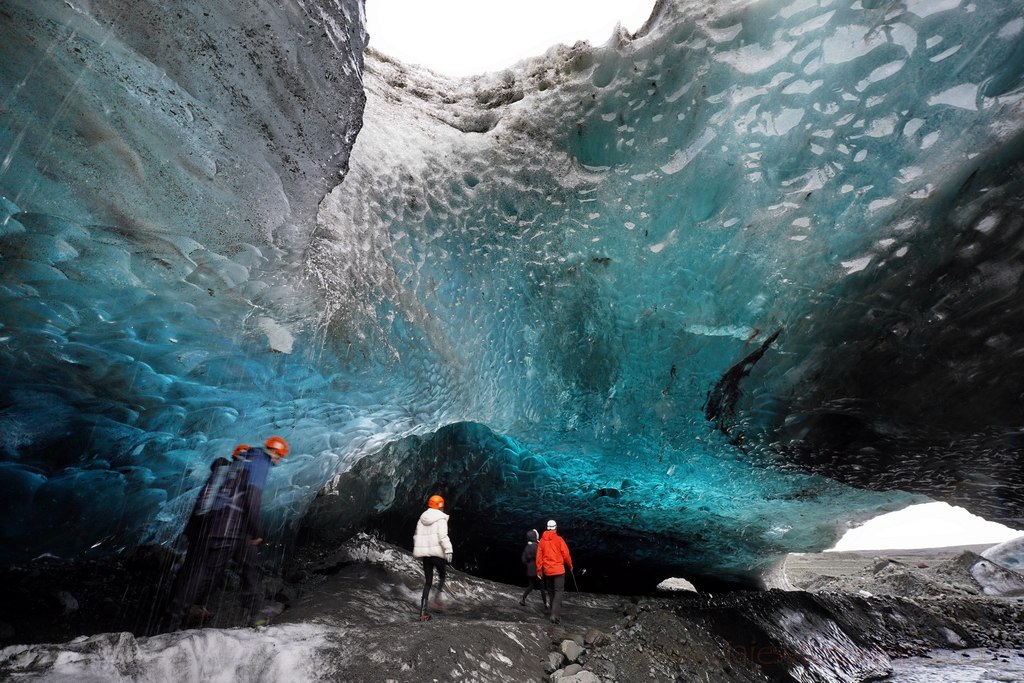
(463, 38)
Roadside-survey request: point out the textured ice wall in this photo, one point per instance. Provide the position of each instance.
(572, 253)
(162, 164)
(631, 518)
(592, 240)
(608, 230)
(223, 124)
(644, 207)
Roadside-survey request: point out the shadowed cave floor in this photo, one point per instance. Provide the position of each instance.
(361, 602)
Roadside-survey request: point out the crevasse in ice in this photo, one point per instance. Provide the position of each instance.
(672, 290)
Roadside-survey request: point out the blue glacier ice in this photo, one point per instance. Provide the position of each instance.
(707, 294)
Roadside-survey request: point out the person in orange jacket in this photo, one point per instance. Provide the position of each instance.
(552, 559)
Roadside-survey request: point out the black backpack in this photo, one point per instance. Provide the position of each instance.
(225, 490)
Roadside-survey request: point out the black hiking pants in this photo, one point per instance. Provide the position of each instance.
(204, 566)
(429, 564)
(533, 583)
(555, 587)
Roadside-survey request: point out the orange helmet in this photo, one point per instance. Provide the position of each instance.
(240, 449)
(277, 444)
(436, 502)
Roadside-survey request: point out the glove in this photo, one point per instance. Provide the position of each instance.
(448, 557)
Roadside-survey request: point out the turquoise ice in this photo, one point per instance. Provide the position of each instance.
(537, 280)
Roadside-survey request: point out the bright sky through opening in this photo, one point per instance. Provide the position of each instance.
(931, 525)
(467, 37)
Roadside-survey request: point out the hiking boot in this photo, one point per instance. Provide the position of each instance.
(424, 617)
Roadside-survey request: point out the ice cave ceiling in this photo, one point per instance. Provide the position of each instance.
(705, 294)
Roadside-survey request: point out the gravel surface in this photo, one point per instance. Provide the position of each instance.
(845, 617)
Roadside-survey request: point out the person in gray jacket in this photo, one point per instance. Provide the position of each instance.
(432, 545)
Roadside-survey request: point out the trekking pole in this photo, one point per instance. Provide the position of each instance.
(574, 581)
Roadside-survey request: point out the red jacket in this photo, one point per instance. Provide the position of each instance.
(552, 555)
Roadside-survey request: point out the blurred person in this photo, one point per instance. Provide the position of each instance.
(225, 525)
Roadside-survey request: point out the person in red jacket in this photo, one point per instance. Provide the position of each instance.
(552, 559)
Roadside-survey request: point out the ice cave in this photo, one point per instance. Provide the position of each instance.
(707, 293)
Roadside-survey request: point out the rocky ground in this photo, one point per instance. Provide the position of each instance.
(350, 615)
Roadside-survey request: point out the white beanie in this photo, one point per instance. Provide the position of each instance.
(551, 525)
